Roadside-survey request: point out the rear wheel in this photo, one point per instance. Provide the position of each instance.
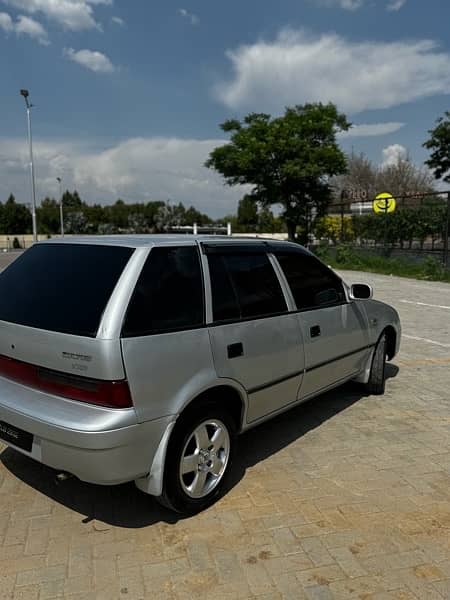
(199, 459)
(377, 379)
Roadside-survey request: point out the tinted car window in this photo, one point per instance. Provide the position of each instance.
(244, 286)
(312, 284)
(61, 287)
(224, 298)
(168, 294)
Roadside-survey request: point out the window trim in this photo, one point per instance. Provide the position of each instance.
(249, 248)
(172, 329)
(203, 249)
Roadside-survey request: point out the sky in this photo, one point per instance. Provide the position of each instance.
(128, 95)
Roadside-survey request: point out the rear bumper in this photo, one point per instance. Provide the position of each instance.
(97, 445)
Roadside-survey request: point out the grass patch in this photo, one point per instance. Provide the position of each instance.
(344, 257)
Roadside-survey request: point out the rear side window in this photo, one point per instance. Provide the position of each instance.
(61, 287)
(311, 283)
(168, 295)
(244, 286)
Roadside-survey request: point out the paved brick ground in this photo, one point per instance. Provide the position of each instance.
(7, 258)
(345, 497)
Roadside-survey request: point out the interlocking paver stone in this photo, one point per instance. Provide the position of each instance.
(347, 496)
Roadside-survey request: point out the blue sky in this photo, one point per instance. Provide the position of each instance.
(128, 94)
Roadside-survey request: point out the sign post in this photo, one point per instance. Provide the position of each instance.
(446, 233)
(384, 203)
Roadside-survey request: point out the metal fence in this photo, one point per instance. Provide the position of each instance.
(418, 226)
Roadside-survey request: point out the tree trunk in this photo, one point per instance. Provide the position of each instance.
(291, 229)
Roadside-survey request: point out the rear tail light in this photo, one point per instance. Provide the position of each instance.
(111, 394)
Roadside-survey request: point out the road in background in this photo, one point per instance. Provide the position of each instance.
(7, 258)
(424, 308)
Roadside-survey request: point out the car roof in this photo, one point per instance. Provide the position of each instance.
(140, 240)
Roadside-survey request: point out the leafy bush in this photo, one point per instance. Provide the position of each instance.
(346, 257)
(433, 269)
(322, 252)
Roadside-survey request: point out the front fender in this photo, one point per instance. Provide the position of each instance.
(381, 316)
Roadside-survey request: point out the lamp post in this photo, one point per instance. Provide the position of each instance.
(26, 94)
(61, 214)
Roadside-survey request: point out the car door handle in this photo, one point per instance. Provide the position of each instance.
(235, 350)
(315, 331)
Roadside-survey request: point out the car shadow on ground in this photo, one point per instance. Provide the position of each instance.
(125, 506)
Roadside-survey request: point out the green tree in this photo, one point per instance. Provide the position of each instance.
(15, 217)
(117, 214)
(439, 144)
(192, 215)
(170, 215)
(72, 200)
(288, 160)
(151, 211)
(247, 214)
(266, 221)
(48, 216)
(95, 216)
(76, 223)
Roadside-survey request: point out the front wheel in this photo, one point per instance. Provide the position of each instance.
(199, 459)
(377, 378)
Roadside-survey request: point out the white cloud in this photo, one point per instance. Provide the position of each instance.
(392, 155)
(118, 21)
(345, 4)
(24, 26)
(297, 67)
(396, 5)
(70, 14)
(28, 26)
(193, 19)
(90, 59)
(392, 5)
(6, 22)
(372, 129)
(137, 170)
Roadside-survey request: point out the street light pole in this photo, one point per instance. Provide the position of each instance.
(61, 214)
(25, 94)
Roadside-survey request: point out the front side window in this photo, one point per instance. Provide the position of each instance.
(244, 286)
(312, 284)
(169, 293)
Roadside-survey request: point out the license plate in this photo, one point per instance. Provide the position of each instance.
(14, 435)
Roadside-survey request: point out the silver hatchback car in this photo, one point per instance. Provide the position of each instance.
(141, 358)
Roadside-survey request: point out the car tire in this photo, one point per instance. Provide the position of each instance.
(377, 379)
(199, 459)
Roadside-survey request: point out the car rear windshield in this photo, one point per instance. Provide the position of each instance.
(61, 287)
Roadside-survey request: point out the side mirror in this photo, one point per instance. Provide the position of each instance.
(361, 291)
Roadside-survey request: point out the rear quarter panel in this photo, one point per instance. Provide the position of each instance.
(167, 371)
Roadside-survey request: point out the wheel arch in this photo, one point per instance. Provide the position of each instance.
(228, 392)
(225, 394)
(391, 341)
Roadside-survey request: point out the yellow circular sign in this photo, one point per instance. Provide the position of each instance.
(384, 203)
